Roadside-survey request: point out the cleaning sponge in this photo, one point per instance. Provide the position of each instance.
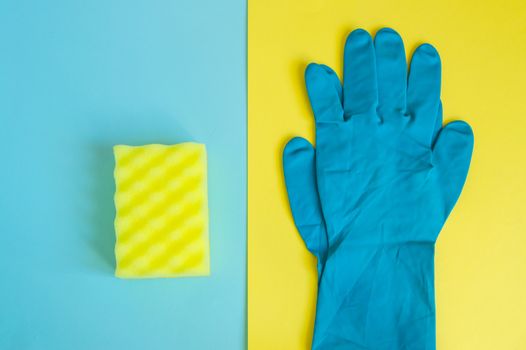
(161, 222)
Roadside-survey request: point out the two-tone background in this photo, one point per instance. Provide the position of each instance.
(77, 77)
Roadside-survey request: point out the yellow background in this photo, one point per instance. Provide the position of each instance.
(481, 252)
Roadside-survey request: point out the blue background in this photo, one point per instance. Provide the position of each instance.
(77, 77)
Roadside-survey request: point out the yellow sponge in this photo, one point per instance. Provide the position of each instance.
(161, 222)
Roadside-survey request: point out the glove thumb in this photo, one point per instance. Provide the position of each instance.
(299, 168)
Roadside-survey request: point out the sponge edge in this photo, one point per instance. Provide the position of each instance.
(161, 222)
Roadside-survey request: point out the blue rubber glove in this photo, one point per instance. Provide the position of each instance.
(371, 199)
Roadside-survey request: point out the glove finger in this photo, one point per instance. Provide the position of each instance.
(451, 157)
(423, 92)
(325, 93)
(300, 178)
(360, 92)
(391, 68)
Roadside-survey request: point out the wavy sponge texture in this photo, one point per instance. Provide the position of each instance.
(161, 222)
